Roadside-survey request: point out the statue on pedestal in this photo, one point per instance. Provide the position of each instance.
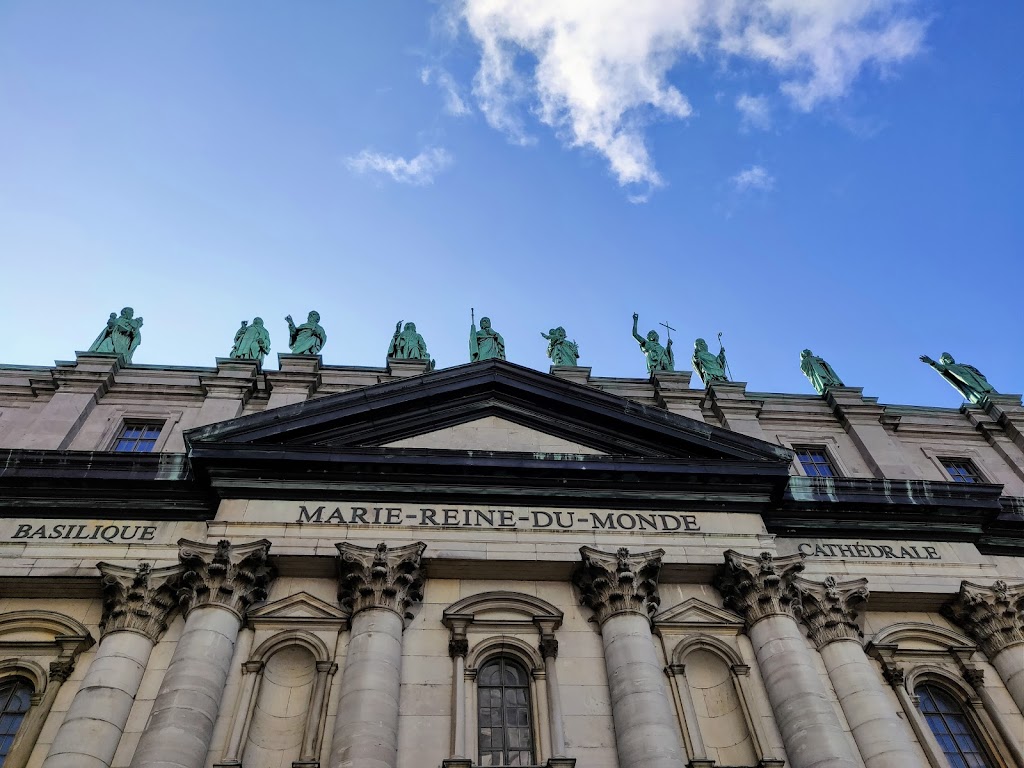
(121, 335)
(819, 372)
(308, 338)
(966, 379)
(252, 342)
(560, 349)
(407, 344)
(659, 358)
(486, 343)
(709, 367)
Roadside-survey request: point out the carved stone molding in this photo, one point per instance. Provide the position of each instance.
(894, 675)
(232, 576)
(829, 609)
(758, 587)
(458, 646)
(992, 616)
(611, 584)
(61, 669)
(548, 647)
(138, 599)
(974, 676)
(380, 577)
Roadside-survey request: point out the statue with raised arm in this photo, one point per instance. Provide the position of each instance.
(819, 373)
(560, 349)
(709, 367)
(407, 344)
(252, 342)
(308, 338)
(659, 358)
(966, 379)
(121, 335)
(486, 343)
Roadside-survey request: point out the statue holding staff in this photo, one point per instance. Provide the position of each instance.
(659, 358)
(252, 342)
(560, 349)
(819, 373)
(486, 343)
(966, 379)
(407, 344)
(709, 367)
(121, 335)
(308, 338)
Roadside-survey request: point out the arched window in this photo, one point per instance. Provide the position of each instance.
(15, 693)
(948, 722)
(503, 716)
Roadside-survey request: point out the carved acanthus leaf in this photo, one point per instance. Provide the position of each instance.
(233, 576)
(993, 616)
(611, 584)
(757, 587)
(380, 577)
(829, 609)
(138, 599)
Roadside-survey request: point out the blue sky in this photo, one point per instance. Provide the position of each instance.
(844, 177)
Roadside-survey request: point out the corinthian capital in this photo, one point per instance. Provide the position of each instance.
(231, 576)
(758, 587)
(992, 616)
(610, 584)
(380, 577)
(138, 599)
(829, 609)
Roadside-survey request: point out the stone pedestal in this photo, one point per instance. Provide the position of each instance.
(622, 590)
(673, 393)
(1008, 411)
(298, 378)
(377, 587)
(403, 369)
(228, 390)
(577, 374)
(218, 584)
(860, 417)
(729, 401)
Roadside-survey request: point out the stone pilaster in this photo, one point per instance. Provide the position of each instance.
(861, 417)
(228, 390)
(733, 407)
(829, 608)
(763, 590)
(994, 618)
(377, 587)
(622, 590)
(218, 583)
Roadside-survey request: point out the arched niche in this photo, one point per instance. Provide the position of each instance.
(281, 706)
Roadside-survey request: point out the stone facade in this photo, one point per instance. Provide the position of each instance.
(395, 568)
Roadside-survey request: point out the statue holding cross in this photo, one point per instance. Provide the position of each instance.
(659, 358)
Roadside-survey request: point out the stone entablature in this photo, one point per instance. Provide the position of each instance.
(829, 608)
(223, 574)
(992, 615)
(139, 599)
(611, 584)
(759, 587)
(381, 577)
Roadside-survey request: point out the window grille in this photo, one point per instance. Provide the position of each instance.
(947, 721)
(815, 461)
(503, 714)
(137, 438)
(961, 470)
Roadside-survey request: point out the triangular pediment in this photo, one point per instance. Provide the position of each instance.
(301, 609)
(696, 613)
(493, 433)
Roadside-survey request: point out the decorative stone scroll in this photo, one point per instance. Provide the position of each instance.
(757, 587)
(380, 577)
(620, 583)
(232, 576)
(829, 609)
(138, 599)
(992, 616)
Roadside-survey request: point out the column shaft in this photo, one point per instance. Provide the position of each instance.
(459, 705)
(554, 707)
(1009, 663)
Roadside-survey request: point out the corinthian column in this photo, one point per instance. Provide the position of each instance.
(622, 590)
(829, 610)
(377, 587)
(761, 590)
(137, 603)
(218, 583)
(994, 618)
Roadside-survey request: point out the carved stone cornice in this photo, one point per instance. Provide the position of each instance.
(829, 609)
(758, 587)
(138, 599)
(611, 584)
(232, 576)
(992, 616)
(380, 577)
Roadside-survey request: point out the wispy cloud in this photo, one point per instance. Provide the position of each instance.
(754, 111)
(598, 72)
(454, 104)
(419, 170)
(754, 178)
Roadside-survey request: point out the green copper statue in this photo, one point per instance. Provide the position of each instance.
(966, 379)
(819, 372)
(709, 367)
(659, 358)
(486, 343)
(308, 338)
(560, 349)
(122, 335)
(406, 344)
(252, 342)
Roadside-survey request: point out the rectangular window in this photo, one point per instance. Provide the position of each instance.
(137, 437)
(815, 461)
(961, 470)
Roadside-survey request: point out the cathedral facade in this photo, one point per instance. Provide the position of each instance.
(487, 565)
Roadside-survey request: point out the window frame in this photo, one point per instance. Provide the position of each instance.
(977, 728)
(970, 466)
(129, 424)
(501, 660)
(826, 443)
(939, 456)
(120, 416)
(15, 677)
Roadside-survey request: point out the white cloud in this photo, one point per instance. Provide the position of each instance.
(754, 178)
(419, 170)
(754, 111)
(598, 71)
(454, 104)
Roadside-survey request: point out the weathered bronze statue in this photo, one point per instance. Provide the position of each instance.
(709, 367)
(121, 335)
(308, 338)
(407, 344)
(252, 342)
(819, 372)
(486, 343)
(560, 349)
(966, 379)
(659, 358)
